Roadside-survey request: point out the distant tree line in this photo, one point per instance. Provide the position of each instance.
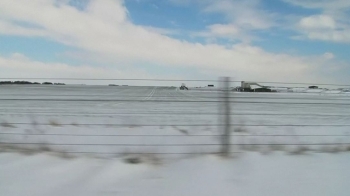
(27, 82)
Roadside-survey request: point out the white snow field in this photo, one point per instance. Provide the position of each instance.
(107, 121)
(74, 140)
(252, 174)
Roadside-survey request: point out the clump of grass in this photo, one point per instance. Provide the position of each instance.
(44, 148)
(240, 130)
(74, 124)
(34, 123)
(64, 155)
(16, 148)
(265, 150)
(333, 148)
(153, 159)
(19, 149)
(7, 124)
(184, 131)
(133, 126)
(54, 123)
(35, 150)
(347, 148)
(133, 160)
(244, 147)
(138, 158)
(299, 150)
(277, 147)
(252, 147)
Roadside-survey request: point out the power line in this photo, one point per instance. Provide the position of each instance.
(145, 145)
(165, 113)
(130, 153)
(169, 101)
(330, 98)
(115, 79)
(168, 135)
(170, 80)
(182, 125)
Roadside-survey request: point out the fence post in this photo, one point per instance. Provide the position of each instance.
(226, 117)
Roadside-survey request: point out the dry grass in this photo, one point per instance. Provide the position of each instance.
(347, 148)
(133, 126)
(277, 147)
(334, 149)
(54, 123)
(7, 125)
(299, 150)
(43, 148)
(265, 150)
(64, 155)
(138, 158)
(240, 130)
(253, 148)
(184, 131)
(74, 124)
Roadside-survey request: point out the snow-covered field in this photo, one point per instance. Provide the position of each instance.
(252, 174)
(308, 134)
(107, 121)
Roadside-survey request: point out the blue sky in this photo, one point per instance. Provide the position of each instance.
(261, 40)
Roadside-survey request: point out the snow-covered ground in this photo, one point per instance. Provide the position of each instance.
(175, 134)
(107, 121)
(251, 174)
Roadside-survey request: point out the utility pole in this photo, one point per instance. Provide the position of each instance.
(225, 140)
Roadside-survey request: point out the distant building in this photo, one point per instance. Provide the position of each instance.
(183, 87)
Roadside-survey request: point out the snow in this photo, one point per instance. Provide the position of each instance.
(126, 112)
(101, 126)
(249, 174)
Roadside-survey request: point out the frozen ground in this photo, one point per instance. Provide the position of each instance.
(156, 124)
(251, 174)
(108, 121)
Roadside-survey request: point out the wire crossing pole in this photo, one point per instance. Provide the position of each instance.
(225, 150)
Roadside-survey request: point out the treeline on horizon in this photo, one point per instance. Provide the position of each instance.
(27, 82)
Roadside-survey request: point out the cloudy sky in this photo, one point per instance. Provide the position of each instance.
(259, 40)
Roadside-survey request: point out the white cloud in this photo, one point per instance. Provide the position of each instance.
(228, 31)
(245, 14)
(104, 31)
(224, 30)
(331, 25)
(162, 31)
(328, 55)
(321, 4)
(19, 57)
(324, 27)
(7, 27)
(243, 17)
(318, 22)
(19, 66)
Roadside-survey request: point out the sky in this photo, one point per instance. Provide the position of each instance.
(255, 40)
